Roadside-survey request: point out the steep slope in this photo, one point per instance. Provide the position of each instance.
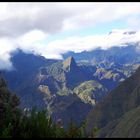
(25, 66)
(90, 91)
(62, 76)
(69, 108)
(121, 100)
(69, 64)
(41, 83)
(112, 65)
(67, 77)
(48, 83)
(21, 80)
(127, 126)
(56, 77)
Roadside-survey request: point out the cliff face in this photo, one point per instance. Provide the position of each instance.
(69, 64)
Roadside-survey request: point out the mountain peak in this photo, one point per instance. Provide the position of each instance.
(69, 63)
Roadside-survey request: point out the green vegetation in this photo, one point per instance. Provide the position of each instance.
(37, 125)
(90, 91)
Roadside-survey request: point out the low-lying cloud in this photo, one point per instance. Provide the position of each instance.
(87, 43)
(30, 42)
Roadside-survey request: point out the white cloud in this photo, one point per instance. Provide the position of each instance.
(7, 46)
(78, 44)
(118, 38)
(30, 42)
(19, 18)
(25, 25)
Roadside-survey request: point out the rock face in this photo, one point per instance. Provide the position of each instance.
(124, 98)
(90, 91)
(69, 64)
(45, 89)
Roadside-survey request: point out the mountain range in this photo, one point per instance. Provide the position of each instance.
(78, 82)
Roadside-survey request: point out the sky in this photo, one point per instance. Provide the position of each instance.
(51, 29)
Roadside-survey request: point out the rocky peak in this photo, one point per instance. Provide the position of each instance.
(69, 63)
